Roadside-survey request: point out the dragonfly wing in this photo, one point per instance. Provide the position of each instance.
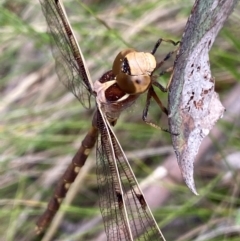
(70, 64)
(125, 213)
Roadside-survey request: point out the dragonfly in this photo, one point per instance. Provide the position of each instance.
(125, 212)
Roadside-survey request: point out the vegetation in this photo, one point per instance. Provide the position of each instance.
(42, 124)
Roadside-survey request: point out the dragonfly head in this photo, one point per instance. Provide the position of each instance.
(133, 70)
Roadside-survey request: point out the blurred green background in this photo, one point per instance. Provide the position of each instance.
(42, 124)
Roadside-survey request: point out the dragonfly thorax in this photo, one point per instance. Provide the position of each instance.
(133, 70)
(112, 98)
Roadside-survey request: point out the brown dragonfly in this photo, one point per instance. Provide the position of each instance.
(126, 215)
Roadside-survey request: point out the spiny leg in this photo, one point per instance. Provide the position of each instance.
(151, 93)
(168, 56)
(159, 86)
(160, 41)
(170, 69)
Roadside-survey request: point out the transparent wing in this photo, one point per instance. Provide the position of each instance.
(70, 64)
(125, 213)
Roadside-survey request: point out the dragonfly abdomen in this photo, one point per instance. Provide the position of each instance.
(67, 179)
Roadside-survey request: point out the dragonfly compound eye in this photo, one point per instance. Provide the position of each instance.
(133, 70)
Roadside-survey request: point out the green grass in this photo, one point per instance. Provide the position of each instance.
(42, 124)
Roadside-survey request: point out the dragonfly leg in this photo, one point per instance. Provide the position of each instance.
(151, 93)
(163, 40)
(168, 56)
(168, 70)
(159, 86)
